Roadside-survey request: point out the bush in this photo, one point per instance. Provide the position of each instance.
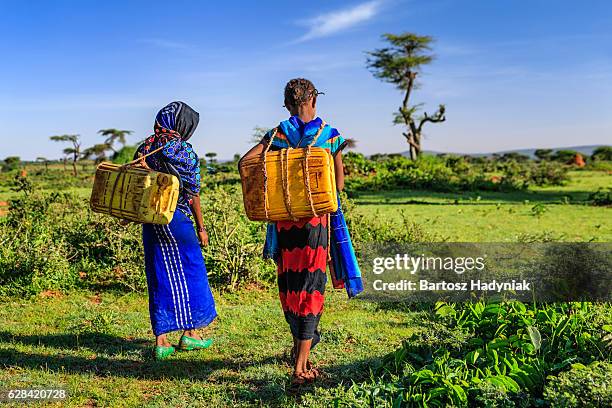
(55, 242)
(234, 254)
(125, 154)
(10, 163)
(448, 173)
(602, 197)
(581, 386)
(564, 156)
(492, 354)
(602, 153)
(548, 173)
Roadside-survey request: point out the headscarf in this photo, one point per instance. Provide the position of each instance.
(177, 120)
(300, 134)
(174, 125)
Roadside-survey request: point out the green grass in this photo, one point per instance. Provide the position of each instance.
(487, 216)
(500, 217)
(98, 347)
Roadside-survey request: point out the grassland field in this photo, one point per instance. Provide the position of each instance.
(97, 345)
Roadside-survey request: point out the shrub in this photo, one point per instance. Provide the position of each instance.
(581, 386)
(603, 153)
(234, 254)
(448, 173)
(10, 163)
(492, 353)
(602, 197)
(125, 154)
(548, 173)
(564, 156)
(54, 241)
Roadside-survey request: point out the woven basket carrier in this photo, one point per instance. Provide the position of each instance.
(289, 184)
(134, 192)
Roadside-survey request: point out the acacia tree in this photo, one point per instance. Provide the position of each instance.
(258, 134)
(114, 135)
(74, 151)
(97, 152)
(45, 161)
(400, 64)
(211, 157)
(543, 154)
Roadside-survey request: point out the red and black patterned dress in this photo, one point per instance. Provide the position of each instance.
(301, 274)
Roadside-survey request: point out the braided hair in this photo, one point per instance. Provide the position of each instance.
(298, 91)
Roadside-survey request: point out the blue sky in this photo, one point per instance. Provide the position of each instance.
(513, 74)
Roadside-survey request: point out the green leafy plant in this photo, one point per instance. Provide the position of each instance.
(581, 386)
(496, 353)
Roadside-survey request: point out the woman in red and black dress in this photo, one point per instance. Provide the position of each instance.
(302, 252)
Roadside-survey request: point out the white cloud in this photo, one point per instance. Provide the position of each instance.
(330, 23)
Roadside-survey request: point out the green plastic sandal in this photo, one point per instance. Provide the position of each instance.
(163, 352)
(189, 343)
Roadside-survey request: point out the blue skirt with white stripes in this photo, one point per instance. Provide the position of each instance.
(179, 294)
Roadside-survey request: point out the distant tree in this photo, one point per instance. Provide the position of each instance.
(399, 64)
(96, 152)
(350, 143)
(543, 154)
(564, 156)
(11, 163)
(114, 135)
(211, 156)
(258, 134)
(514, 156)
(602, 153)
(45, 161)
(237, 157)
(74, 151)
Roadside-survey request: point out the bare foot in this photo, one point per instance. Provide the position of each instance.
(162, 341)
(301, 378)
(193, 334)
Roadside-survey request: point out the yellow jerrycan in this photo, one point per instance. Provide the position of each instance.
(134, 192)
(289, 184)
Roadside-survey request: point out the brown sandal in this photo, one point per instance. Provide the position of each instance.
(302, 378)
(315, 372)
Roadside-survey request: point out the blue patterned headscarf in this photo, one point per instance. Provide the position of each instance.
(174, 125)
(180, 117)
(300, 134)
(296, 133)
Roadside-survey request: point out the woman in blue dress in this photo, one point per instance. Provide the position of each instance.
(179, 295)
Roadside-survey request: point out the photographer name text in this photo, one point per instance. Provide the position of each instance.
(473, 285)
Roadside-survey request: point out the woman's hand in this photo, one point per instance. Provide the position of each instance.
(339, 170)
(203, 237)
(196, 210)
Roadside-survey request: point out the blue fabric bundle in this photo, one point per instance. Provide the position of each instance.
(271, 249)
(343, 256)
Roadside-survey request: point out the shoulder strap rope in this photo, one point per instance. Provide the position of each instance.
(307, 170)
(265, 171)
